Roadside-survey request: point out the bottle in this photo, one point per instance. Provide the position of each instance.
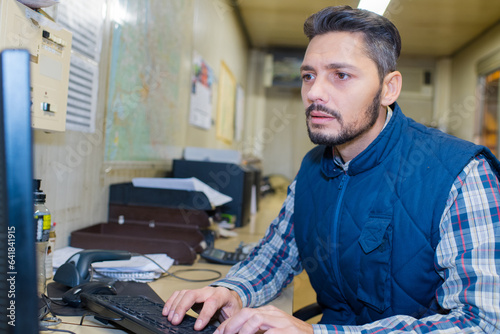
(42, 214)
(42, 220)
(49, 271)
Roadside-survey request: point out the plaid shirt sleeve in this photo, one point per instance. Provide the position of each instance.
(271, 266)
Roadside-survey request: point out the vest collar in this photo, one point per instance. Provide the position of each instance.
(374, 154)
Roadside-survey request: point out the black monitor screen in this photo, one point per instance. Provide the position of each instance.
(18, 288)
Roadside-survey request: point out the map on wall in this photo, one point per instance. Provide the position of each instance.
(149, 43)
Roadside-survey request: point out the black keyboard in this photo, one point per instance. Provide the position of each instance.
(138, 314)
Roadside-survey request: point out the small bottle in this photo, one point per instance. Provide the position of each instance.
(42, 220)
(49, 271)
(42, 214)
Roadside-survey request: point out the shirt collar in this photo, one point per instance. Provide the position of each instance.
(337, 159)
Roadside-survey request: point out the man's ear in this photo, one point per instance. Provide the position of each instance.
(391, 88)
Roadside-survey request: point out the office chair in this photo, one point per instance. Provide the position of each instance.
(308, 312)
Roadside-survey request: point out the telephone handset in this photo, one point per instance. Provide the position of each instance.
(76, 270)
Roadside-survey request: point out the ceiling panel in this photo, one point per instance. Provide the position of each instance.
(278, 23)
(428, 27)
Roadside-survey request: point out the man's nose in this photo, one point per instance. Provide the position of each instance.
(317, 92)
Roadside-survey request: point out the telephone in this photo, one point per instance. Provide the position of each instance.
(220, 256)
(76, 270)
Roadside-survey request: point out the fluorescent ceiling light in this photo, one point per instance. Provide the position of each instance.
(376, 6)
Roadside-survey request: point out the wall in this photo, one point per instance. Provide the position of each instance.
(463, 96)
(223, 41)
(75, 176)
(416, 99)
(285, 136)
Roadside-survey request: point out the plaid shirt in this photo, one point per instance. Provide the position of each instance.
(465, 258)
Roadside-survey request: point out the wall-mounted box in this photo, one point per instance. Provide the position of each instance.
(49, 46)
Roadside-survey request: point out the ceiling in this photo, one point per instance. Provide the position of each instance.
(434, 28)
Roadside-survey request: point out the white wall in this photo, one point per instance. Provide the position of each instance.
(217, 37)
(285, 135)
(463, 96)
(442, 90)
(416, 99)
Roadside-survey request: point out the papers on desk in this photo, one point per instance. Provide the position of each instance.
(190, 184)
(138, 268)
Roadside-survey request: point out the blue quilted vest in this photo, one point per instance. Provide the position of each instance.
(367, 237)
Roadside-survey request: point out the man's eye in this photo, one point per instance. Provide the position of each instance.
(307, 77)
(342, 76)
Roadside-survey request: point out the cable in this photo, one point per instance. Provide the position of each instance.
(218, 273)
(43, 329)
(50, 321)
(48, 301)
(46, 323)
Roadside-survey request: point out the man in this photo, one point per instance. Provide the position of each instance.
(397, 225)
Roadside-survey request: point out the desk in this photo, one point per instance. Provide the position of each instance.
(164, 287)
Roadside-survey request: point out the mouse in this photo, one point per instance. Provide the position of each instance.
(72, 296)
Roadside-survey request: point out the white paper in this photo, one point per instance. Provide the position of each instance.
(61, 255)
(201, 106)
(200, 114)
(190, 184)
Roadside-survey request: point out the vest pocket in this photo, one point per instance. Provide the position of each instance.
(375, 257)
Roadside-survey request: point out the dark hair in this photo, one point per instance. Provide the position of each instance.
(383, 43)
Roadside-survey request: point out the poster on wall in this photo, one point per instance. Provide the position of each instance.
(226, 104)
(200, 113)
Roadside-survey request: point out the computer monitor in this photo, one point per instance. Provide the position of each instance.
(18, 281)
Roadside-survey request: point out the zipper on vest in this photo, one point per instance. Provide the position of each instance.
(344, 180)
(340, 199)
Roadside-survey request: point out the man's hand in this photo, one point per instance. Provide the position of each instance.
(214, 299)
(267, 319)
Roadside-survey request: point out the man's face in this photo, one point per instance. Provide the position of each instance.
(340, 89)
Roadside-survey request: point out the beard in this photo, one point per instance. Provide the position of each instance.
(348, 132)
